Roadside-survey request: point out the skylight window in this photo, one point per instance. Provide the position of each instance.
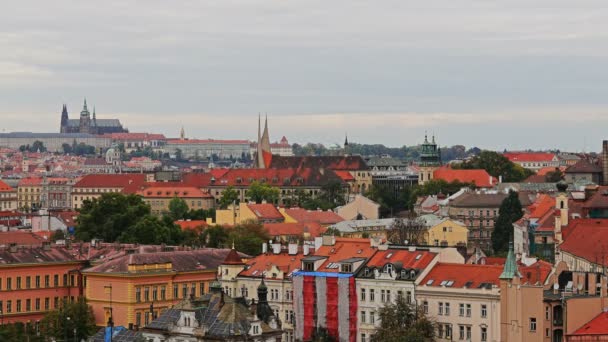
(449, 283)
(389, 255)
(418, 256)
(443, 283)
(430, 282)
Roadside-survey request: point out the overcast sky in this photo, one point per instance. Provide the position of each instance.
(495, 74)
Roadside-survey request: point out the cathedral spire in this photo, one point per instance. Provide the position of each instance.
(510, 269)
(84, 108)
(182, 134)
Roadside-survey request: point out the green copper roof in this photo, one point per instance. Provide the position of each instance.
(510, 270)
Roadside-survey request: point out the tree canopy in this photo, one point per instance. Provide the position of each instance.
(37, 146)
(497, 165)
(510, 211)
(403, 322)
(126, 218)
(247, 237)
(70, 318)
(259, 192)
(178, 208)
(229, 196)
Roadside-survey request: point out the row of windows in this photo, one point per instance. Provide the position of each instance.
(19, 282)
(154, 293)
(385, 295)
(27, 305)
(28, 190)
(88, 190)
(464, 310)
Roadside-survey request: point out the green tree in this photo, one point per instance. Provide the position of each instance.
(322, 335)
(510, 211)
(152, 230)
(259, 192)
(178, 208)
(554, 176)
(67, 148)
(127, 218)
(72, 320)
(497, 165)
(215, 237)
(248, 237)
(403, 322)
(229, 196)
(38, 146)
(334, 193)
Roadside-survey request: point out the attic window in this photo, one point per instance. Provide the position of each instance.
(263, 180)
(275, 179)
(468, 284)
(239, 180)
(388, 268)
(359, 251)
(250, 179)
(418, 256)
(347, 268)
(449, 283)
(366, 272)
(429, 282)
(389, 255)
(443, 283)
(287, 180)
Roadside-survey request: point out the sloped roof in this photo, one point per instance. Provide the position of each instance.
(481, 178)
(471, 275)
(30, 181)
(320, 216)
(5, 187)
(191, 224)
(402, 258)
(485, 200)
(233, 258)
(344, 248)
(587, 239)
(20, 238)
(130, 182)
(351, 163)
(265, 211)
(297, 228)
(597, 326)
(261, 263)
(584, 166)
(134, 136)
(182, 261)
(276, 177)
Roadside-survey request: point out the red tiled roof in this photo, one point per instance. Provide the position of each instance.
(352, 163)
(529, 156)
(170, 192)
(535, 273)
(292, 229)
(481, 178)
(345, 175)
(461, 274)
(20, 238)
(587, 239)
(543, 204)
(597, 326)
(218, 173)
(131, 182)
(276, 177)
(233, 258)
(30, 181)
(68, 217)
(322, 217)
(261, 263)
(598, 200)
(415, 259)
(192, 224)
(584, 166)
(265, 211)
(493, 261)
(5, 187)
(343, 249)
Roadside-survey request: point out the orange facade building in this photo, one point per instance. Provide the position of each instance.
(130, 287)
(34, 280)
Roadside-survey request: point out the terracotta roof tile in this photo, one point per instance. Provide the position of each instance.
(261, 263)
(462, 274)
(344, 248)
(293, 229)
(265, 211)
(198, 225)
(406, 259)
(530, 156)
(20, 238)
(578, 235)
(597, 326)
(322, 217)
(481, 178)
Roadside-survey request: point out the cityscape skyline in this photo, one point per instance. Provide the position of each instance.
(384, 73)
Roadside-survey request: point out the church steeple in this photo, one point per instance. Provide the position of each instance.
(510, 269)
(264, 311)
(64, 119)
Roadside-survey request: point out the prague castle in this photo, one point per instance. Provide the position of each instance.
(88, 124)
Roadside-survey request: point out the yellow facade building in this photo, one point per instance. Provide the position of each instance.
(447, 232)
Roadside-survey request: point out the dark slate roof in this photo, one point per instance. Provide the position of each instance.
(37, 255)
(100, 123)
(376, 161)
(584, 166)
(485, 200)
(168, 317)
(182, 261)
(120, 335)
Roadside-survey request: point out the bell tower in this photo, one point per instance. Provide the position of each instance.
(430, 160)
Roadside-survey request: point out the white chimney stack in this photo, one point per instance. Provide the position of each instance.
(276, 248)
(306, 249)
(292, 248)
(264, 248)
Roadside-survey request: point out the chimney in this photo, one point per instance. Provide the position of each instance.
(292, 248)
(46, 246)
(276, 248)
(329, 240)
(605, 162)
(12, 247)
(264, 248)
(500, 179)
(491, 180)
(306, 249)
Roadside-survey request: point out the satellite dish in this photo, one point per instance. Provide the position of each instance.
(556, 286)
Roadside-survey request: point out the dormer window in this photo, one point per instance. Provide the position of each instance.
(388, 268)
(366, 272)
(309, 266)
(347, 268)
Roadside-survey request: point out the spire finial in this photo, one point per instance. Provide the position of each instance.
(232, 243)
(426, 140)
